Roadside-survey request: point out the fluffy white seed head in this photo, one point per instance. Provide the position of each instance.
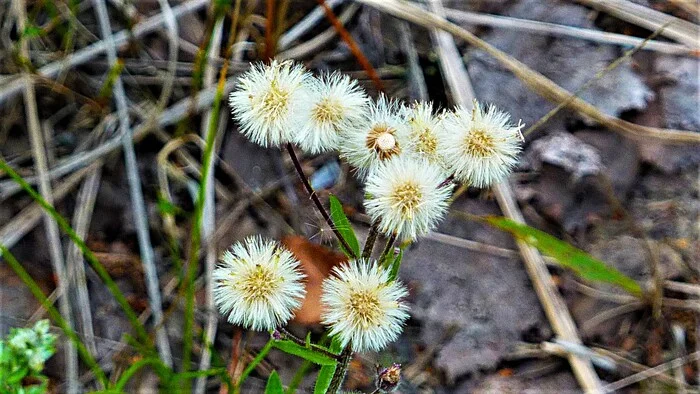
(406, 196)
(426, 132)
(266, 99)
(361, 308)
(258, 284)
(380, 135)
(332, 104)
(482, 145)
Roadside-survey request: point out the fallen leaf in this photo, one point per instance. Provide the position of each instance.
(317, 261)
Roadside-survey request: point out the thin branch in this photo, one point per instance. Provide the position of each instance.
(371, 239)
(314, 197)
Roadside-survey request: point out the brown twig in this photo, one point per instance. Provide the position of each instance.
(354, 48)
(270, 30)
(235, 357)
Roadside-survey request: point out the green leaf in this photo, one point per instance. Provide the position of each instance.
(310, 354)
(274, 384)
(343, 225)
(325, 375)
(583, 264)
(395, 265)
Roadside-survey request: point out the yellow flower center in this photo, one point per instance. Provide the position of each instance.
(407, 197)
(328, 111)
(427, 142)
(381, 138)
(259, 284)
(479, 143)
(365, 308)
(275, 102)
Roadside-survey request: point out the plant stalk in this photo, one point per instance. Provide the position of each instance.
(340, 371)
(317, 202)
(371, 239)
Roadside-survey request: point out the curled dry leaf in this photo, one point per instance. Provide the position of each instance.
(317, 261)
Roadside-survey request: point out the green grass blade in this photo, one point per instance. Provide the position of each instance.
(89, 256)
(343, 225)
(54, 314)
(568, 256)
(257, 360)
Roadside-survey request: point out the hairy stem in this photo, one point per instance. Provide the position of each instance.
(317, 202)
(340, 371)
(389, 245)
(371, 239)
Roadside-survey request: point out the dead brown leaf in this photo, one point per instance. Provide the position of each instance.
(317, 261)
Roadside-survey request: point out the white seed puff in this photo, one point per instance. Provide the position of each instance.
(426, 133)
(361, 308)
(258, 284)
(379, 136)
(332, 104)
(406, 196)
(482, 146)
(266, 99)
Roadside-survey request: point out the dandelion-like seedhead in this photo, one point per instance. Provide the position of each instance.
(258, 284)
(333, 103)
(362, 307)
(482, 146)
(266, 99)
(379, 136)
(407, 196)
(426, 134)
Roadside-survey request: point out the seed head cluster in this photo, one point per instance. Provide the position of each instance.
(408, 156)
(362, 307)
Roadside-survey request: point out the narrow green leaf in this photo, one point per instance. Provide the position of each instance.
(274, 384)
(583, 264)
(308, 339)
(325, 375)
(395, 265)
(310, 354)
(343, 225)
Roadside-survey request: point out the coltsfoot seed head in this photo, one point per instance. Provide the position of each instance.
(332, 103)
(362, 307)
(426, 132)
(266, 101)
(258, 284)
(482, 146)
(379, 136)
(407, 196)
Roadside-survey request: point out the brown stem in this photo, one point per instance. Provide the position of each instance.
(340, 370)
(269, 31)
(388, 247)
(371, 239)
(317, 202)
(235, 357)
